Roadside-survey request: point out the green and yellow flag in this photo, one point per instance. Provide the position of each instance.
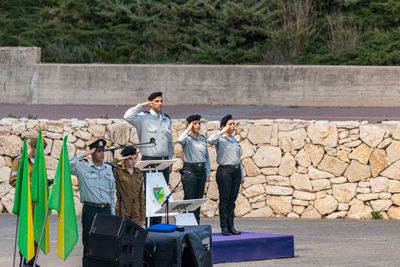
(40, 195)
(62, 200)
(23, 208)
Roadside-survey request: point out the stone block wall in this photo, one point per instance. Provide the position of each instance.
(293, 168)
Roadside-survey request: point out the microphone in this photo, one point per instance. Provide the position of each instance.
(112, 165)
(114, 148)
(183, 172)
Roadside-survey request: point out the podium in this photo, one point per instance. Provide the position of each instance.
(157, 190)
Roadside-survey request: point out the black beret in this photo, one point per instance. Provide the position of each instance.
(193, 118)
(225, 119)
(154, 95)
(128, 151)
(98, 144)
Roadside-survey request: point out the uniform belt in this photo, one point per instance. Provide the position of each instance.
(102, 205)
(200, 164)
(153, 158)
(230, 166)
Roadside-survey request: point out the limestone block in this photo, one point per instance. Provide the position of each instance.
(363, 190)
(364, 184)
(357, 171)
(396, 199)
(4, 189)
(208, 209)
(381, 204)
(177, 151)
(263, 212)
(355, 143)
(342, 155)
(300, 202)
(292, 140)
(344, 192)
(280, 205)
(1, 207)
(385, 143)
(259, 198)
(338, 180)
(394, 213)
(78, 124)
(298, 209)
(278, 190)
(212, 191)
(321, 184)
(323, 133)
(253, 190)
(119, 133)
(337, 215)
(83, 135)
(10, 145)
(320, 194)
(293, 215)
(18, 128)
(258, 205)
(326, 205)
(56, 149)
(267, 156)
(311, 214)
(378, 161)
(379, 184)
(393, 171)
(247, 149)
(278, 180)
(8, 202)
(301, 182)
(71, 138)
(133, 137)
(371, 135)
(343, 206)
(269, 171)
(242, 206)
(4, 174)
(394, 186)
(249, 181)
(315, 152)
(393, 152)
(54, 136)
(288, 165)
(343, 134)
(260, 134)
(359, 211)
(302, 170)
(385, 195)
(396, 132)
(5, 129)
(361, 153)
(317, 174)
(212, 153)
(97, 130)
(303, 159)
(55, 126)
(332, 165)
(368, 197)
(348, 125)
(250, 168)
(303, 195)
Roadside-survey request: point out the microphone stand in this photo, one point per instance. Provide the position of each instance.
(120, 197)
(166, 201)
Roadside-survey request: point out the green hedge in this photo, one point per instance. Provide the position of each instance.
(344, 32)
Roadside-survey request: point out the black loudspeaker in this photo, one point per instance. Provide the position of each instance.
(115, 241)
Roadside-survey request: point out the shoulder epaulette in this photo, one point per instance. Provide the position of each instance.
(147, 112)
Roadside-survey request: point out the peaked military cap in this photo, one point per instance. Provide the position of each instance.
(128, 151)
(225, 119)
(154, 95)
(193, 118)
(99, 144)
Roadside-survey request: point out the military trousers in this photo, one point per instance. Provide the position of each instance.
(194, 183)
(88, 213)
(228, 180)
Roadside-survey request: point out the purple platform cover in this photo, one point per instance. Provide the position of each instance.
(251, 247)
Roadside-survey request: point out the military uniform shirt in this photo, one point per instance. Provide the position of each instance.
(151, 125)
(96, 184)
(194, 149)
(228, 149)
(12, 180)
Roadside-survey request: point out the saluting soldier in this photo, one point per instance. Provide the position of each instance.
(195, 161)
(153, 124)
(96, 188)
(229, 173)
(129, 179)
(12, 180)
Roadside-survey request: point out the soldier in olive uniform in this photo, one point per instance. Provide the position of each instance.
(130, 203)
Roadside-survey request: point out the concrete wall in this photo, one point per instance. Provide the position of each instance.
(24, 80)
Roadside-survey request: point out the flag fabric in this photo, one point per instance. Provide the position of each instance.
(62, 200)
(23, 208)
(40, 195)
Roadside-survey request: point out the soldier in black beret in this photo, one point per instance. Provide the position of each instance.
(99, 144)
(153, 96)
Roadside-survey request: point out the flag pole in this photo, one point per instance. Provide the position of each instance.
(41, 235)
(15, 240)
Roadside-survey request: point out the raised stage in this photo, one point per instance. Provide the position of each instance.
(251, 247)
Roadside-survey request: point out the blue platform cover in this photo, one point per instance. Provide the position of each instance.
(251, 247)
(162, 227)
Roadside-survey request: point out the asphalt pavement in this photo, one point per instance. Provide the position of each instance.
(317, 242)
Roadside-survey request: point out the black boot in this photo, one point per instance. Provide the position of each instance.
(225, 231)
(233, 231)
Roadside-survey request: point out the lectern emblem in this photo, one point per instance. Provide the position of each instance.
(159, 193)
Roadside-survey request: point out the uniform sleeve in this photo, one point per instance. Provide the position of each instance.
(12, 180)
(141, 199)
(171, 150)
(112, 197)
(183, 137)
(131, 115)
(213, 139)
(74, 163)
(208, 165)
